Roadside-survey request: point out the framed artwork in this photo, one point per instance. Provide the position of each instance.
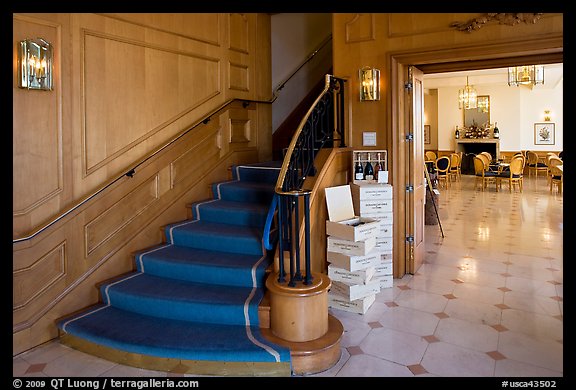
(426, 134)
(544, 133)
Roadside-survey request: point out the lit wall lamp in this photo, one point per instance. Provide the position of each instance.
(35, 64)
(369, 84)
(547, 116)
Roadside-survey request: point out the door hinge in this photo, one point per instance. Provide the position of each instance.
(408, 86)
(410, 137)
(409, 188)
(410, 239)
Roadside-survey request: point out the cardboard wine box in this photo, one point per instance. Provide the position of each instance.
(352, 248)
(355, 291)
(354, 263)
(359, 306)
(386, 255)
(385, 281)
(366, 191)
(385, 231)
(365, 207)
(357, 277)
(385, 268)
(342, 223)
(383, 244)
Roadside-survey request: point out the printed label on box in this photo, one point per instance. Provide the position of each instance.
(384, 217)
(384, 243)
(363, 191)
(357, 248)
(386, 281)
(386, 268)
(348, 277)
(385, 231)
(359, 306)
(371, 206)
(354, 263)
(386, 255)
(356, 291)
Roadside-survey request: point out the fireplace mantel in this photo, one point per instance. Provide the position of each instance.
(490, 145)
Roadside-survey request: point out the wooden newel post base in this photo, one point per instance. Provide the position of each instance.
(299, 313)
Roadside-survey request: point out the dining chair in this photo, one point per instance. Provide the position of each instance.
(557, 178)
(534, 164)
(553, 160)
(482, 174)
(430, 155)
(454, 171)
(514, 174)
(443, 170)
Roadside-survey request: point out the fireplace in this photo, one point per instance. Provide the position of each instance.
(471, 147)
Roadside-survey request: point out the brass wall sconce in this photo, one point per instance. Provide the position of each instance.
(547, 116)
(35, 58)
(369, 84)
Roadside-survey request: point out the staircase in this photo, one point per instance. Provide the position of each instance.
(192, 304)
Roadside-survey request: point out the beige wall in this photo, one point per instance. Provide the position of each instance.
(123, 86)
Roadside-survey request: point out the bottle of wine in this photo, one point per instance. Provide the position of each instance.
(377, 167)
(358, 170)
(368, 170)
(496, 131)
(457, 132)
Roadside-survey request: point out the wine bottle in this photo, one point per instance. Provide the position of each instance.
(358, 171)
(457, 132)
(496, 131)
(368, 170)
(377, 167)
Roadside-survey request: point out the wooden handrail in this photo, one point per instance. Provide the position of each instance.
(132, 170)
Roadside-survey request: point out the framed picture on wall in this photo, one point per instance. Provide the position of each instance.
(426, 134)
(544, 133)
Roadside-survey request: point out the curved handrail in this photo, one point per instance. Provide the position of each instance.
(131, 171)
(281, 177)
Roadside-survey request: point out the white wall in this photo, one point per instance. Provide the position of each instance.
(515, 109)
(294, 37)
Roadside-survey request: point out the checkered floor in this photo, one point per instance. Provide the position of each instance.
(488, 301)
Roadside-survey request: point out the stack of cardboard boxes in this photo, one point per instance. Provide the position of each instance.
(375, 201)
(352, 253)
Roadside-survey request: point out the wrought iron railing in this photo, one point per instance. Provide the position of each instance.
(322, 122)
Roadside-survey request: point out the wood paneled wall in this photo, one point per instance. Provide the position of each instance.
(124, 85)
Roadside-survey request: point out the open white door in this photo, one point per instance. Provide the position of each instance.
(416, 188)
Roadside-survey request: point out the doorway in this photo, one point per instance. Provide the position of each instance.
(538, 51)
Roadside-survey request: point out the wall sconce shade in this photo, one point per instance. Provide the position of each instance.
(467, 97)
(369, 84)
(526, 75)
(35, 64)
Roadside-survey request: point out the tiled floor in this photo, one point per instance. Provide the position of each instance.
(488, 301)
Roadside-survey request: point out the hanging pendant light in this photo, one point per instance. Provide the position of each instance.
(467, 97)
(528, 75)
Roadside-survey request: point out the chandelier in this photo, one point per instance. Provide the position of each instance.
(467, 97)
(529, 75)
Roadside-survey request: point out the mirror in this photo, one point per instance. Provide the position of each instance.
(479, 116)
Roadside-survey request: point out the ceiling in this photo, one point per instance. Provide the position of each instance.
(553, 74)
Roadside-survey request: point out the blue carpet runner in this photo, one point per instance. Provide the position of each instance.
(196, 296)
